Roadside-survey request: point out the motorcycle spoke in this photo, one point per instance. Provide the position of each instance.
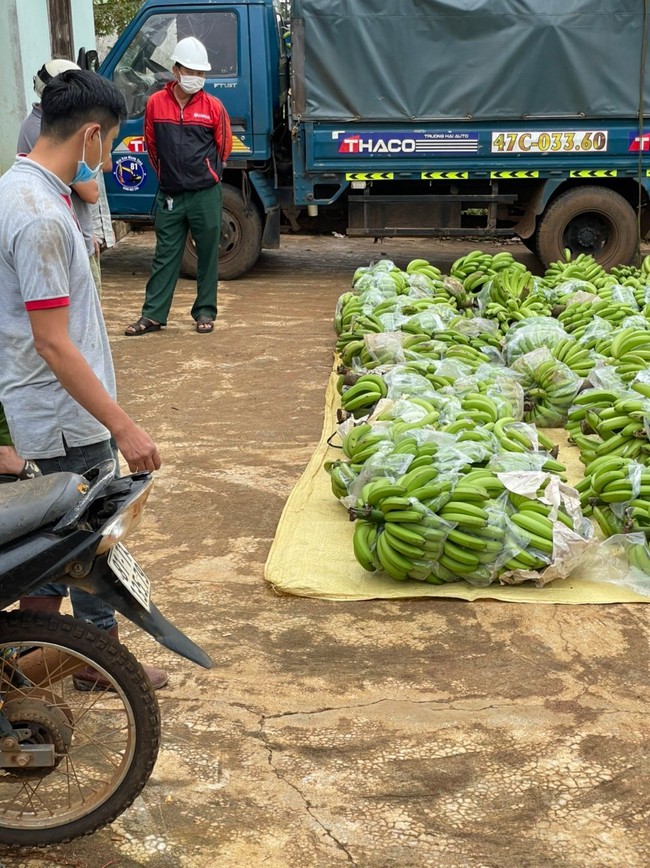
(101, 744)
(95, 757)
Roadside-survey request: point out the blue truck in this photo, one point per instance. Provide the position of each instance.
(418, 118)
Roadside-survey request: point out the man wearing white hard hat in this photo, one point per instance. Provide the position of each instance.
(188, 138)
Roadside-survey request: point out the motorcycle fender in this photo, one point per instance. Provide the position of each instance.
(102, 583)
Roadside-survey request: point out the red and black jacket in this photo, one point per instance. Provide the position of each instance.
(187, 146)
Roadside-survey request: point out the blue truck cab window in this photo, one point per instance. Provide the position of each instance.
(145, 65)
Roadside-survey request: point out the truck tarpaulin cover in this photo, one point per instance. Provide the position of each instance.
(404, 60)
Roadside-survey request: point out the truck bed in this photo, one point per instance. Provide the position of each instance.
(467, 60)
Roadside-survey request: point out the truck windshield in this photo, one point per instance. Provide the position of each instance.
(145, 66)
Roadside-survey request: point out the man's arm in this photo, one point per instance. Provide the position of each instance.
(88, 191)
(150, 136)
(53, 344)
(222, 132)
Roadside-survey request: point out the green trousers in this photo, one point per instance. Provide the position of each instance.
(200, 212)
(5, 436)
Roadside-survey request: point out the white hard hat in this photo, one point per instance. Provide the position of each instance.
(191, 54)
(49, 71)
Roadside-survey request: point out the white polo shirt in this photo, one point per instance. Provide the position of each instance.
(44, 264)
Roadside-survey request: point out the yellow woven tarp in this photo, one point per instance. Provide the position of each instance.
(311, 555)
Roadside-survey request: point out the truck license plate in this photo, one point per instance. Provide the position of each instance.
(127, 570)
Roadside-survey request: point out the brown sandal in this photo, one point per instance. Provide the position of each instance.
(142, 327)
(204, 325)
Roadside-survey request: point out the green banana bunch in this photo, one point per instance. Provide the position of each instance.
(366, 392)
(471, 263)
(408, 538)
(577, 316)
(574, 356)
(583, 268)
(630, 352)
(342, 477)
(480, 408)
(477, 262)
(356, 327)
(622, 273)
(467, 354)
(423, 266)
(639, 557)
(612, 479)
(350, 347)
(348, 305)
(550, 389)
(533, 335)
(487, 339)
(363, 442)
(586, 402)
(609, 523)
(536, 530)
(524, 504)
(511, 285)
(631, 291)
(620, 430)
(364, 543)
(514, 436)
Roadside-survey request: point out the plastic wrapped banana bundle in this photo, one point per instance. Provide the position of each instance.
(447, 386)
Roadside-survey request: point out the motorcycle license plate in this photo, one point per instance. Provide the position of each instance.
(127, 570)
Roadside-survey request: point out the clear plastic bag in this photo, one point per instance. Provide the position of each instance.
(476, 326)
(421, 286)
(385, 347)
(434, 319)
(635, 322)
(624, 295)
(401, 384)
(580, 293)
(622, 560)
(550, 387)
(531, 334)
(605, 377)
(597, 328)
(518, 462)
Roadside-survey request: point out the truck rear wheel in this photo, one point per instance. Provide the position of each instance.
(241, 238)
(590, 220)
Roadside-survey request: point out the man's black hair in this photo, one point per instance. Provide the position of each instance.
(77, 97)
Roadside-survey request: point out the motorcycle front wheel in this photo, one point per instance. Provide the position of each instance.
(100, 745)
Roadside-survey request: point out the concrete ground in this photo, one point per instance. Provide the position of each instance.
(412, 733)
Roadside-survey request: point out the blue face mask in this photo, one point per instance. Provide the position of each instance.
(84, 172)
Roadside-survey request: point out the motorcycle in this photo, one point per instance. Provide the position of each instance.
(72, 761)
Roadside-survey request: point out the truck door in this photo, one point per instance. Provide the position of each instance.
(140, 64)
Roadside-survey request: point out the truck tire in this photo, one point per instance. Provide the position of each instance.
(241, 238)
(590, 220)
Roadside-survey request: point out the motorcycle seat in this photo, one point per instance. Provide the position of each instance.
(30, 504)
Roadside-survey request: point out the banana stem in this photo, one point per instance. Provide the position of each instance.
(367, 513)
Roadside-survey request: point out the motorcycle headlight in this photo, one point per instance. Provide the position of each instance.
(123, 522)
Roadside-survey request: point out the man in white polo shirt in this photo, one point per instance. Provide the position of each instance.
(57, 383)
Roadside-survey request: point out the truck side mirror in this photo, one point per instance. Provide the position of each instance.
(88, 59)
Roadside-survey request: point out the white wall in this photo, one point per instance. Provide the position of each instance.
(24, 47)
(83, 25)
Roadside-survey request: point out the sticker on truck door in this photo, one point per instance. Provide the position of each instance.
(639, 143)
(131, 145)
(553, 141)
(390, 142)
(130, 173)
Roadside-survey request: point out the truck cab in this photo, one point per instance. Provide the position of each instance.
(247, 55)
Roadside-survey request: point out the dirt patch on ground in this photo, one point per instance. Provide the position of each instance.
(379, 733)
